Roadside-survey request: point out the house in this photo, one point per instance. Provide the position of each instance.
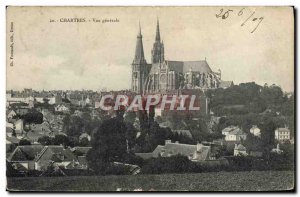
(11, 114)
(197, 152)
(56, 155)
(183, 132)
(51, 98)
(37, 131)
(24, 156)
(10, 125)
(226, 84)
(62, 108)
(55, 122)
(21, 111)
(75, 98)
(80, 153)
(9, 131)
(19, 128)
(233, 134)
(172, 149)
(11, 143)
(12, 140)
(19, 124)
(87, 101)
(219, 142)
(255, 131)
(239, 150)
(39, 157)
(42, 128)
(282, 134)
(203, 153)
(33, 136)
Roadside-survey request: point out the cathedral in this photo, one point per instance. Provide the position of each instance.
(164, 75)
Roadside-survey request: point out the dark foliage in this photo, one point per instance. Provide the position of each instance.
(174, 164)
(109, 145)
(24, 142)
(45, 140)
(33, 116)
(61, 140)
(84, 142)
(249, 98)
(181, 164)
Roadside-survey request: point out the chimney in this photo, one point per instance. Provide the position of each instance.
(235, 146)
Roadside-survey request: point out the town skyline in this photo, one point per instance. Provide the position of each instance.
(85, 60)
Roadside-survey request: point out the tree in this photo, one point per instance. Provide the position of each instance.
(33, 116)
(108, 145)
(267, 127)
(86, 121)
(253, 143)
(159, 119)
(61, 140)
(74, 126)
(24, 142)
(84, 142)
(45, 140)
(130, 116)
(131, 133)
(66, 122)
(287, 107)
(173, 164)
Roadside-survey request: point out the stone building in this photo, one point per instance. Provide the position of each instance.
(282, 134)
(166, 75)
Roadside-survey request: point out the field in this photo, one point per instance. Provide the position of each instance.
(215, 181)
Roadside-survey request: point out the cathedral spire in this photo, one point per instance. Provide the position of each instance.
(140, 31)
(157, 37)
(139, 49)
(158, 47)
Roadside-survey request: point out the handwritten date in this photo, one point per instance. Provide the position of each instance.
(224, 14)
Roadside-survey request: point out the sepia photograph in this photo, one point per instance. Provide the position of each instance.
(150, 99)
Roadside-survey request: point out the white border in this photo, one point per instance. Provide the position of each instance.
(3, 4)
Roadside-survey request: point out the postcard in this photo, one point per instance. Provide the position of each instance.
(107, 99)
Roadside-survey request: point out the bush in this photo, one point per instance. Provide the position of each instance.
(119, 169)
(173, 164)
(24, 142)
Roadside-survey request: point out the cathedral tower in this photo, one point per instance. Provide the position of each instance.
(139, 65)
(158, 48)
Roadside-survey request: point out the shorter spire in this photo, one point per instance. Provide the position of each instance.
(140, 30)
(157, 37)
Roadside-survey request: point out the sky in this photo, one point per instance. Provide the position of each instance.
(95, 55)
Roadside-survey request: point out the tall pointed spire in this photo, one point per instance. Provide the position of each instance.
(139, 49)
(140, 31)
(158, 47)
(157, 37)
